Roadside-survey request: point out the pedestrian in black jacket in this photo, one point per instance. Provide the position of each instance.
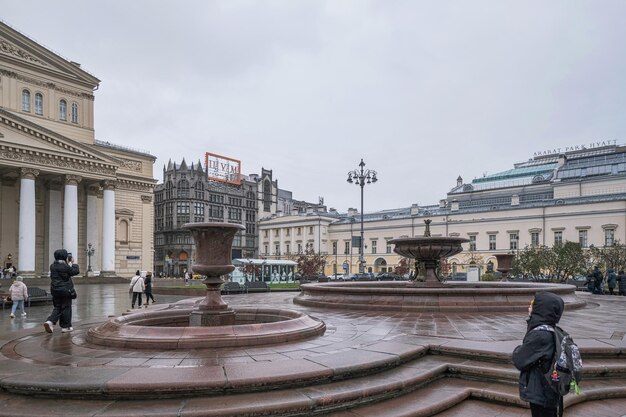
(61, 287)
(534, 356)
(621, 283)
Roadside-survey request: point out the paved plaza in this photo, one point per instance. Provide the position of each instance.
(449, 357)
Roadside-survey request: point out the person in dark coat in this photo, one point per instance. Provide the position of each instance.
(534, 356)
(591, 282)
(147, 282)
(611, 280)
(621, 283)
(61, 288)
(597, 275)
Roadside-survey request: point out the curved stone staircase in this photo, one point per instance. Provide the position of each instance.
(390, 379)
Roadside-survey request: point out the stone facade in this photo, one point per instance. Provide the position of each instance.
(578, 195)
(59, 186)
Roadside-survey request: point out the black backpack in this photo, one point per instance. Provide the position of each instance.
(566, 366)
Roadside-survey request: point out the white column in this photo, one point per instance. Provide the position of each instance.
(54, 220)
(92, 225)
(27, 222)
(108, 229)
(70, 215)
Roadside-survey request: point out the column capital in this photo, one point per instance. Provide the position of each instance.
(93, 189)
(108, 184)
(146, 198)
(72, 179)
(29, 173)
(55, 185)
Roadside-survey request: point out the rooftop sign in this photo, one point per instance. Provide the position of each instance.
(592, 145)
(222, 168)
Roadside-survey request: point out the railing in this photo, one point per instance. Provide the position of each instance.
(121, 148)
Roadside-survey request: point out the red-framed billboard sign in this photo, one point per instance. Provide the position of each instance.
(222, 168)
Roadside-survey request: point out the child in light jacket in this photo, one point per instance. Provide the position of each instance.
(19, 293)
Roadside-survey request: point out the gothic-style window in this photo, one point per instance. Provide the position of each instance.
(38, 104)
(267, 195)
(183, 189)
(25, 100)
(63, 110)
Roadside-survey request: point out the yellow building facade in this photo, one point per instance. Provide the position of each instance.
(59, 185)
(576, 194)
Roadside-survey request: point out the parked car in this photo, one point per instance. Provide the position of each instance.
(387, 276)
(337, 277)
(368, 276)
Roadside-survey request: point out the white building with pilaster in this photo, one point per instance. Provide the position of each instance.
(59, 186)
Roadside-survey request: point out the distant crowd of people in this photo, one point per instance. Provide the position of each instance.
(8, 273)
(597, 281)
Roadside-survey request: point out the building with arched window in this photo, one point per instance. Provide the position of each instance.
(576, 194)
(59, 185)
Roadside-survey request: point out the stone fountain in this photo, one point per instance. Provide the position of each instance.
(428, 293)
(209, 322)
(213, 255)
(429, 250)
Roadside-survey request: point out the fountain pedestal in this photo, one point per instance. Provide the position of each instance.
(505, 264)
(213, 255)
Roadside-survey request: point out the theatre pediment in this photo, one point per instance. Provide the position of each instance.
(19, 51)
(23, 142)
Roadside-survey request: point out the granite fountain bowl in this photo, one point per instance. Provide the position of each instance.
(418, 297)
(167, 327)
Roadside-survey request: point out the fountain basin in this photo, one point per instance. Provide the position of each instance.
(169, 328)
(447, 297)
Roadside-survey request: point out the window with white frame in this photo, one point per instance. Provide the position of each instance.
(582, 238)
(266, 249)
(25, 100)
(374, 249)
(558, 237)
(299, 247)
(74, 113)
(63, 110)
(334, 248)
(288, 248)
(513, 241)
(277, 249)
(609, 237)
(39, 104)
(534, 238)
(388, 247)
(346, 248)
(492, 242)
(472, 242)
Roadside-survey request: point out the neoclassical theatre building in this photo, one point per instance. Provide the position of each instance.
(575, 193)
(59, 186)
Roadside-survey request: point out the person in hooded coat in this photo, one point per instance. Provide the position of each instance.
(611, 280)
(534, 356)
(61, 286)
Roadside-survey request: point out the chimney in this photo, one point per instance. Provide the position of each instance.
(455, 205)
(352, 211)
(442, 203)
(415, 208)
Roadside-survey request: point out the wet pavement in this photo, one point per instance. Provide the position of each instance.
(93, 302)
(476, 346)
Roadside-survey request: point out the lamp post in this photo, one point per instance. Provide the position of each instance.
(360, 177)
(90, 251)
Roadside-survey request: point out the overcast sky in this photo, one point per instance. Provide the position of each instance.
(423, 91)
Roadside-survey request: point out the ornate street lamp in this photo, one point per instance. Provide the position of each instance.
(360, 177)
(90, 251)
